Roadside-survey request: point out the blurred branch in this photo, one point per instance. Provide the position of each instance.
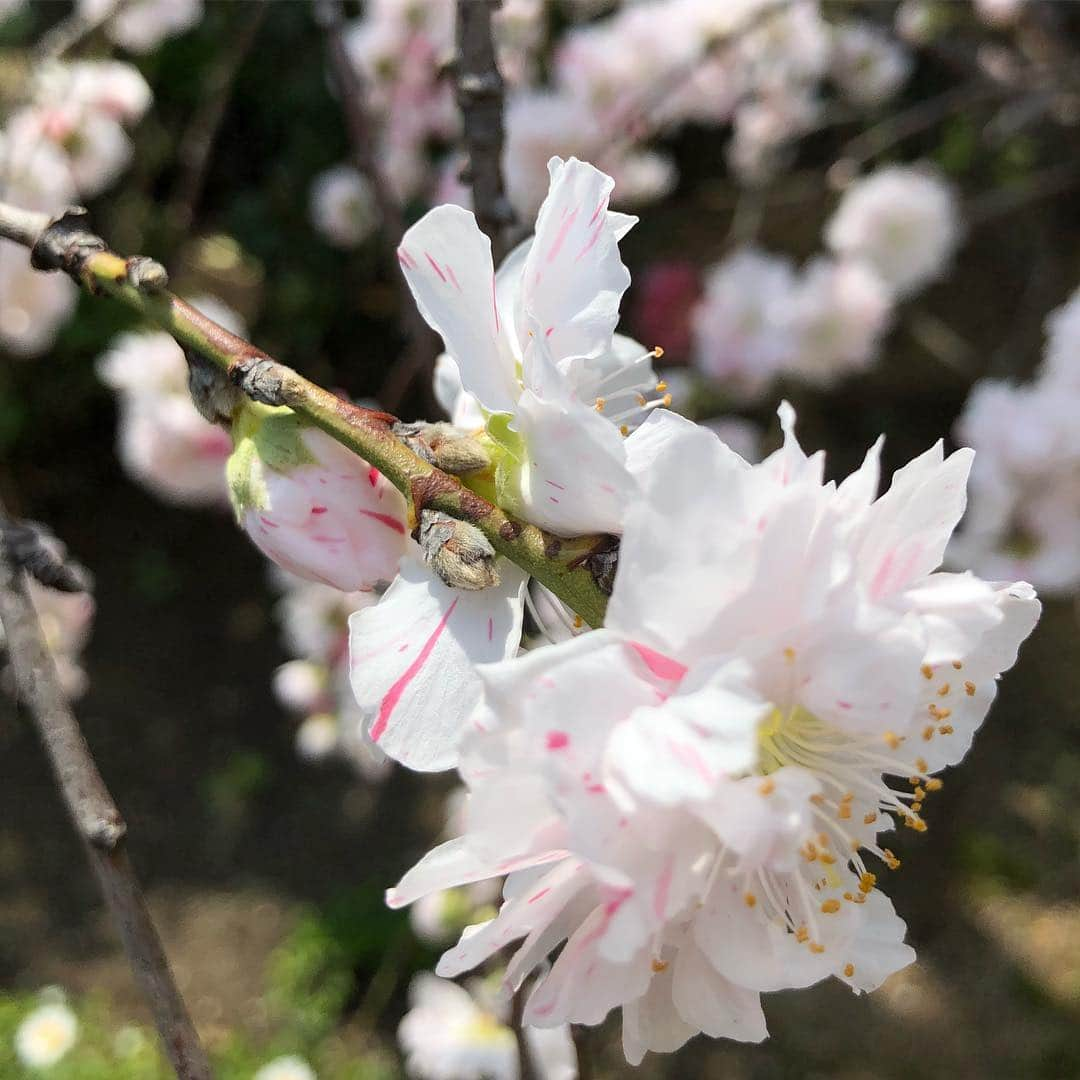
(197, 142)
(526, 1071)
(480, 91)
(94, 815)
(571, 568)
(422, 345)
(1041, 185)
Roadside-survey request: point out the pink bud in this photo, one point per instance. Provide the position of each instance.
(313, 507)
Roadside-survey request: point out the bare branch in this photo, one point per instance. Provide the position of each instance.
(422, 346)
(22, 226)
(96, 818)
(480, 92)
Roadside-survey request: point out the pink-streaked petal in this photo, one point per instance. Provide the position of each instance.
(446, 260)
(413, 657)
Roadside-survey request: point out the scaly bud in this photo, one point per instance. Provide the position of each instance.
(458, 552)
(311, 505)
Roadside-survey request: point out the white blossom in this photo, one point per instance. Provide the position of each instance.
(690, 797)
(141, 25)
(343, 206)
(743, 333)
(46, 1036)
(868, 64)
(162, 440)
(900, 219)
(288, 1067)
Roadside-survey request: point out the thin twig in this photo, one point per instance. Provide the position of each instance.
(526, 1071)
(96, 819)
(480, 92)
(422, 346)
(69, 32)
(197, 142)
(578, 570)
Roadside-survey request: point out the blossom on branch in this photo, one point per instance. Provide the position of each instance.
(690, 800)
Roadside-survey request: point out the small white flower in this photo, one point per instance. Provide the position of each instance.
(343, 206)
(289, 1067)
(46, 1036)
(743, 334)
(317, 737)
(869, 65)
(141, 25)
(900, 219)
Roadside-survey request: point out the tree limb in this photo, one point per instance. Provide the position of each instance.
(95, 817)
(576, 570)
(480, 91)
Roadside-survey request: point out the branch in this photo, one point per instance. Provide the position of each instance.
(480, 90)
(422, 346)
(576, 570)
(96, 818)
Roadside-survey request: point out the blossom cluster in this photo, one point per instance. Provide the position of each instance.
(1024, 518)
(758, 66)
(761, 317)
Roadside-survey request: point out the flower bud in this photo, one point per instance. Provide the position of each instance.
(458, 552)
(300, 685)
(312, 506)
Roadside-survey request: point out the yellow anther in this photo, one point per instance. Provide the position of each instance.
(750, 899)
(843, 811)
(642, 400)
(823, 839)
(848, 896)
(667, 399)
(830, 907)
(943, 690)
(848, 796)
(919, 825)
(870, 818)
(891, 861)
(939, 713)
(661, 386)
(892, 740)
(934, 784)
(919, 793)
(809, 853)
(860, 899)
(767, 786)
(624, 430)
(599, 404)
(818, 800)
(855, 845)
(920, 764)
(867, 881)
(945, 729)
(916, 807)
(789, 654)
(816, 948)
(957, 664)
(802, 934)
(659, 965)
(849, 970)
(969, 689)
(826, 858)
(657, 351)
(928, 732)
(579, 622)
(927, 671)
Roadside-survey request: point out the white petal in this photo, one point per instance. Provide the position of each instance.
(651, 1022)
(710, 1003)
(574, 277)
(412, 659)
(677, 750)
(553, 1052)
(575, 480)
(907, 529)
(446, 260)
(677, 564)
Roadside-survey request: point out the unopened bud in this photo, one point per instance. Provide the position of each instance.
(314, 507)
(447, 447)
(457, 552)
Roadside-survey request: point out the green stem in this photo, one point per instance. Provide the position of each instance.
(565, 566)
